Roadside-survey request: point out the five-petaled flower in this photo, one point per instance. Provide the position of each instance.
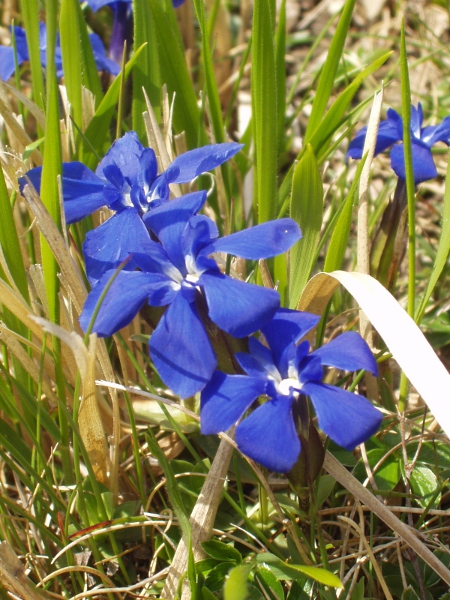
(179, 272)
(7, 63)
(422, 139)
(127, 182)
(284, 373)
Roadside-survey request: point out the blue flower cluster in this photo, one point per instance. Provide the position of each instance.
(7, 65)
(173, 255)
(422, 139)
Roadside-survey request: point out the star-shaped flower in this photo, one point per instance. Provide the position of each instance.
(7, 66)
(179, 272)
(285, 373)
(126, 181)
(422, 138)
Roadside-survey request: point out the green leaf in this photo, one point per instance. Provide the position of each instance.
(307, 211)
(97, 139)
(236, 584)
(264, 106)
(146, 72)
(424, 484)
(329, 70)
(30, 11)
(270, 583)
(325, 486)
(174, 73)
(387, 475)
(442, 252)
(284, 571)
(221, 551)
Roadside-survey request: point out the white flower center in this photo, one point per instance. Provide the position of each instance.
(285, 385)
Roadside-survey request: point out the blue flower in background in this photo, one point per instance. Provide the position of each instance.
(422, 138)
(122, 29)
(284, 372)
(178, 272)
(127, 182)
(7, 66)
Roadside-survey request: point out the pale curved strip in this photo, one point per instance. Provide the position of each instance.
(402, 336)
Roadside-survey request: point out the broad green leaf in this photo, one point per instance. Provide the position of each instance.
(329, 70)
(269, 582)
(146, 73)
(282, 571)
(387, 475)
(236, 584)
(424, 485)
(307, 211)
(221, 551)
(264, 106)
(325, 486)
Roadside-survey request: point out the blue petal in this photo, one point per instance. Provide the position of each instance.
(7, 66)
(189, 165)
(237, 307)
(346, 418)
(97, 4)
(177, 3)
(388, 134)
(262, 241)
(311, 369)
(101, 60)
(436, 133)
(168, 222)
(225, 399)
(268, 435)
(348, 352)
(181, 350)
(259, 363)
(125, 154)
(287, 326)
(108, 245)
(423, 164)
(416, 120)
(83, 191)
(126, 296)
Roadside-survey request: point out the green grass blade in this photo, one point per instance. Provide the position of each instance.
(30, 12)
(97, 132)
(307, 210)
(174, 73)
(442, 251)
(329, 70)
(264, 105)
(280, 65)
(146, 72)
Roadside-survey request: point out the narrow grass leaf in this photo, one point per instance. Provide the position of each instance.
(442, 252)
(174, 73)
(280, 66)
(403, 338)
(290, 571)
(146, 72)
(30, 12)
(329, 70)
(97, 140)
(307, 210)
(264, 105)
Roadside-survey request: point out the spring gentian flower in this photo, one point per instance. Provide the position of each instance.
(179, 272)
(285, 373)
(422, 139)
(7, 66)
(126, 181)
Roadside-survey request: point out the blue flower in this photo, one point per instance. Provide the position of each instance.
(7, 66)
(126, 181)
(285, 373)
(422, 138)
(179, 272)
